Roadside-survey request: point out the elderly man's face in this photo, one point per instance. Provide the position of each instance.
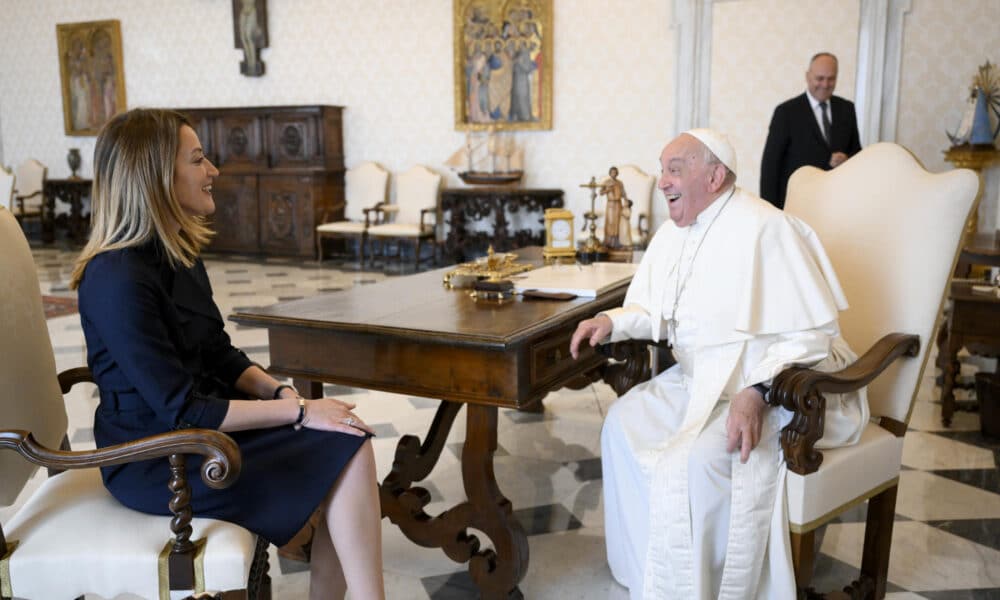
(821, 78)
(685, 179)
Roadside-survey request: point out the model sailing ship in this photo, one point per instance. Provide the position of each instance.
(488, 160)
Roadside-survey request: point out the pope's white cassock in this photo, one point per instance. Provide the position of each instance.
(742, 293)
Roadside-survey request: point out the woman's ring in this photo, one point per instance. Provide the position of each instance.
(349, 421)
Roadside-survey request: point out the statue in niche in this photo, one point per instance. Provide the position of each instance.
(250, 32)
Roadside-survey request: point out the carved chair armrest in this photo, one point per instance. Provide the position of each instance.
(378, 214)
(220, 468)
(801, 390)
(631, 364)
(71, 377)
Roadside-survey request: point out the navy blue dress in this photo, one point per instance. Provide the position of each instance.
(162, 361)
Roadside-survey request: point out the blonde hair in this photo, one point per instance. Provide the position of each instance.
(133, 200)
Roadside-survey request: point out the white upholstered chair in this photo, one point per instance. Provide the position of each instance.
(7, 188)
(639, 189)
(28, 183)
(413, 217)
(365, 188)
(892, 231)
(69, 536)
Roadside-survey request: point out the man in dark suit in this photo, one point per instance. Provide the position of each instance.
(816, 128)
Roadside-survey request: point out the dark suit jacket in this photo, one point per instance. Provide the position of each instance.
(794, 140)
(155, 345)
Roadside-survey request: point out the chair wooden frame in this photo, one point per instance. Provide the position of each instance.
(423, 229)
(352, 226)
(220, 468)
(19, 207)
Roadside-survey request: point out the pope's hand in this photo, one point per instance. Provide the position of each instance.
(595, 330)
(837, 158)
(745, 420)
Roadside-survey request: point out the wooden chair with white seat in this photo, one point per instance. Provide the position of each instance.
(413, 217)
(69, 536)
(28, 198)
(366, 187)
(893, 233)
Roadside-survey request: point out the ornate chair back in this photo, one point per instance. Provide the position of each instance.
(416, 189)
(639, 189)
(892, 231)
(365, 186)
(31, 399)
(7, 188)
(30, 178)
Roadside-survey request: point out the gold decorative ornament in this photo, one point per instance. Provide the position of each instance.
(493, 267)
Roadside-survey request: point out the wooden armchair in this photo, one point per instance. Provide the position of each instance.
(69, 536)
(414, 214)
(29, 181)
(365, 190)
(892, 231)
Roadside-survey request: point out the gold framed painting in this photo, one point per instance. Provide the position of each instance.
(93, 80)
(503, 64)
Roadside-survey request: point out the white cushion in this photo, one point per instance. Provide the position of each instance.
(416, 189)
(72, 520)
(845, 475)
(341, 227)
(399, 230)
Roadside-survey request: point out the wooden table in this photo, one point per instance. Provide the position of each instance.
(71, 191)
(412, 336)
(974, 322)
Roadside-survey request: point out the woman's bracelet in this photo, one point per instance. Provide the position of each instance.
(301, 420)
(281, 388)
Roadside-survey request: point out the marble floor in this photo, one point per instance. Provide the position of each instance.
(946, 541)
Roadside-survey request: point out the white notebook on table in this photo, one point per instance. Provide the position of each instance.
(588, 281)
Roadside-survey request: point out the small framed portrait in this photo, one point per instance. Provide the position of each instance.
(93, 80)
(503, 64)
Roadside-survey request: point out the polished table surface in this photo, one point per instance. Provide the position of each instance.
(413, 336)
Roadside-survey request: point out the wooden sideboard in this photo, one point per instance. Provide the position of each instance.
(282, 173)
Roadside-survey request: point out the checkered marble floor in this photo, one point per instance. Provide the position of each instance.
(946, 541)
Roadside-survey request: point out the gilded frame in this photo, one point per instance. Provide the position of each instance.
(517, 89)
(93, 78)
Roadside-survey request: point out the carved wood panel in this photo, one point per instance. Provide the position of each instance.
(286, 214)
(239, 141)
(236, 214)
(294, 140)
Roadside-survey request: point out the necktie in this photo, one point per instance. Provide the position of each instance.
(826, 122)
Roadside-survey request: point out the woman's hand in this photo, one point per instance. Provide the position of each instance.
(330, 414)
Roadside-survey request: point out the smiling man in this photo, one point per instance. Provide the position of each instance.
(815, 128)
(693, 472)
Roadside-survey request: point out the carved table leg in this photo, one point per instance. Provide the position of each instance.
(496, 573)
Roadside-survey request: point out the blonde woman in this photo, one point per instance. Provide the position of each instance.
(162, 361)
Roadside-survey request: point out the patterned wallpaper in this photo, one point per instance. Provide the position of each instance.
(389, 62)
(943, 44)
(760, 54)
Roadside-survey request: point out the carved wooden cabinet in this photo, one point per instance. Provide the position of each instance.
(282, 173)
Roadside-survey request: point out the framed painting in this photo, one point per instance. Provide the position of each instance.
(93, 80)
(503, 64)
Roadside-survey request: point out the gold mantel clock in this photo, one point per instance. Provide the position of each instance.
(558, 234)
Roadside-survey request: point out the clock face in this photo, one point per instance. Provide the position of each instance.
(561, 230)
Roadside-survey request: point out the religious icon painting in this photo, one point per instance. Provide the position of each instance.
(93, 80)
(503, 64)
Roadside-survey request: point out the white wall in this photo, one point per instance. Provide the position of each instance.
(760, 53)
(389, 62)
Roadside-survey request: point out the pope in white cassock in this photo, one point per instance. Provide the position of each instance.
(694, 497)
